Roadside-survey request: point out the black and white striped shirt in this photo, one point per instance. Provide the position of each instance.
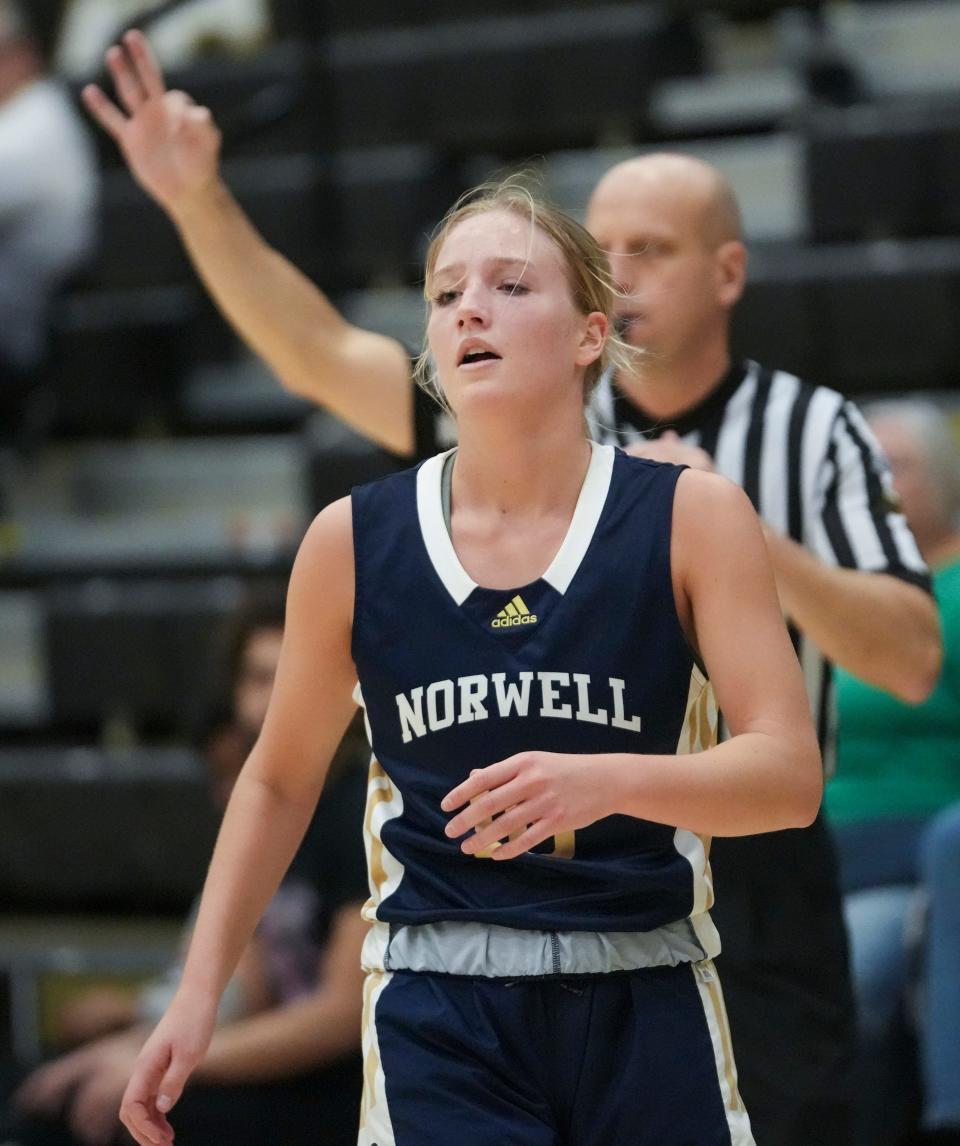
(813, 470)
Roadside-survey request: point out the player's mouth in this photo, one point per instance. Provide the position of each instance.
(475, 354)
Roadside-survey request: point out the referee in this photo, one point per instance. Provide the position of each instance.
(851, 582)
(848, 572)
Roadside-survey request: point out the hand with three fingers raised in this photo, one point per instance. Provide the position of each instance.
(170, 144)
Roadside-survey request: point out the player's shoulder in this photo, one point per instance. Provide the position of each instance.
(713, 520)
(390, 497)
(330, 534)
(709, 496)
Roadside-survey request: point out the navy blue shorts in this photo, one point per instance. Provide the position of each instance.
(640, 1058)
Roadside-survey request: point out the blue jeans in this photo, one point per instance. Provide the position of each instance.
(940, 1043)
(889, 870)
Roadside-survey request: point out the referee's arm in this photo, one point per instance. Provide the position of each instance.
(878, 627)
(864, 599)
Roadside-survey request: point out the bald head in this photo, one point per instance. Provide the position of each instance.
(699, 189)
(670, 227)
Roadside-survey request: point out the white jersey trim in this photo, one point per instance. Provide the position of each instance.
(583, 524)
(456, 580)
(562, 569)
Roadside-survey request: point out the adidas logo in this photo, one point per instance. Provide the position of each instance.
(514, 613)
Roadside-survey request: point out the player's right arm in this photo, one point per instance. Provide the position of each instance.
(269, 809)
(172, 147)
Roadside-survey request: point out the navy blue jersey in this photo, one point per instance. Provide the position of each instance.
(588, 658)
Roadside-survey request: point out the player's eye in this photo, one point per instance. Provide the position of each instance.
(443, 297)
(514, 288)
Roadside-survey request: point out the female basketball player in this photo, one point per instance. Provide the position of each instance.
(532, 620)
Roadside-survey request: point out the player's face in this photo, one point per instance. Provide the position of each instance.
(666, 272)
(503, 323)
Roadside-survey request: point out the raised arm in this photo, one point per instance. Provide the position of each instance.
(767, 776)
(172, 147)
(272, 801)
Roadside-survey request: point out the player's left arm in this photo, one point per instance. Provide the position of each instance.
(865, 605)
(767, 776)
(305, 1034)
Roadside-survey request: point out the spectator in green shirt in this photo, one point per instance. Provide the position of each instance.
(895, 805)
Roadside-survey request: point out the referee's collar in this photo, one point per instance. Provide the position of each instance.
(629, 411)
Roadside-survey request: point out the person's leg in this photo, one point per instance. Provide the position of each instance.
(786, 982)
(648, 1062)
(876, 923)
(454, 1060)
(940, 1024)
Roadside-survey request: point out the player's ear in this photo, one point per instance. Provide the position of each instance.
(596, 328)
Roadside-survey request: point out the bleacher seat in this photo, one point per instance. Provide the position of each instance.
(898, 48)
(388, 200)
(137, 657)
(23, 685)
(860, 317)
(891, 317)
(119, 357)
(884, 171)
(511, 83)
(373, 14)
(90, 830)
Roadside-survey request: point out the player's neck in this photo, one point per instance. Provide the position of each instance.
(664, 388)
(521, 472)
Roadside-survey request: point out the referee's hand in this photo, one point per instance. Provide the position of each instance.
(670, 448)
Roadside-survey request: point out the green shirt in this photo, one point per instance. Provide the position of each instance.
(896, 759)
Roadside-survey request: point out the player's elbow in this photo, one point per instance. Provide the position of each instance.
(806, 786)
(808, 805)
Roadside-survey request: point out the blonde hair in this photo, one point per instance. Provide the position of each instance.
(588, 271)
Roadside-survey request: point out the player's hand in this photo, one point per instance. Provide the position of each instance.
(162, 1068)
(170, 144)
(519, 802)
(669, 448)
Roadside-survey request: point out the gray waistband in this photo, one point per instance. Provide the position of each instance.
(484, 950)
